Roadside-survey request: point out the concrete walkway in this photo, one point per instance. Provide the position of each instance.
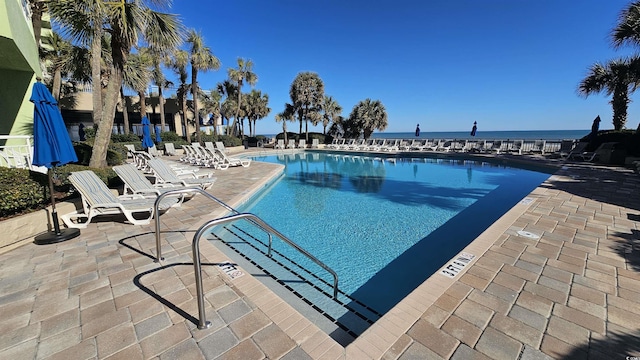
(572, 293)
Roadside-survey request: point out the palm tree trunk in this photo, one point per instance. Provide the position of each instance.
(143, 104)
(57, 81)
(36, 19)
(96, 78)
(184, 119)
(194, 93)
(103, 135)
(125, 111)
(161, 105)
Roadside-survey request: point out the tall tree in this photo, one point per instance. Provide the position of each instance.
(137, 76)
(627, 30)
(307, 95)
(159, 58)
(617, 78)
(179, 65)
(37, 7)
(257, 108)
(211, 105)
(330, 111)
(127, 22)
(287, 115)
(368, 115)
(84, 21)
(239, 76)
(64, 60)
(228, 107)
(202, 59)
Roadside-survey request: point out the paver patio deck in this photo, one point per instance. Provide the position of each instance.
(572, 293)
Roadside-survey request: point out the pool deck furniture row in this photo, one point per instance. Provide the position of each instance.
(573, 292)
(518, 147)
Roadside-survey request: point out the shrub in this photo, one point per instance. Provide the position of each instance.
(116, 153)
(125, 138)
(170, 136)
(89, 132)
(22, 190)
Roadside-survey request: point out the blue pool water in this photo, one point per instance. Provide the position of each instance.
(385, 226)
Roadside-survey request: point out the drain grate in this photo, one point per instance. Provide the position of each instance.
(528, 234)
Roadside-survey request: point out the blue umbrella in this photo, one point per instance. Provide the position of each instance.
(158, 138)
(51, 147)
(146, 134)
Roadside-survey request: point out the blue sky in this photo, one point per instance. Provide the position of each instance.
(507, 64)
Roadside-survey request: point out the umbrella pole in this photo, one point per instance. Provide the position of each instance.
(57, 235)
(54, 213)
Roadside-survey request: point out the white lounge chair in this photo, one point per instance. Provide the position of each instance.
(169, 149)
(279, 144)
(291, 144)
(302, 144)
(334, 143)
(130, 150)
(97, 199)
(165, 174)
(220, 146)
(225, 160)
(315, 143)
(137, 183)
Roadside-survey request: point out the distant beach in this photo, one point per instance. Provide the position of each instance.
(486, 135)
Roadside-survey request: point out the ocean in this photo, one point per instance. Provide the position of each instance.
(488, 135)
(484, 135)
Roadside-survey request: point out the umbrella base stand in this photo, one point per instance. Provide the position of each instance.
(52, 237)
(57, 235)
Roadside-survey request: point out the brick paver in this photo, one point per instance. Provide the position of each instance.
(572, 293)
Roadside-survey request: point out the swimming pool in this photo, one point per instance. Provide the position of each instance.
(383, 224)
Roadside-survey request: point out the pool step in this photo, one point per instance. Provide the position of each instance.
(301, 283)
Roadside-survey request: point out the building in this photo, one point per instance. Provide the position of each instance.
(19, 67)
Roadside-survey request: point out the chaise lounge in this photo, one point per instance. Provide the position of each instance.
(97, 199)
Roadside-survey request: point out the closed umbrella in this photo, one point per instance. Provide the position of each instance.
(51, 147)
(158, 138)
(146, 134)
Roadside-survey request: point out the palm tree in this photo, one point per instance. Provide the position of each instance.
(287, 115)
(330, 111)
(627, 31)
(83, 21)
(64, 59)
(211, 105)
(159, 58)
(179, 65)
(307, 94)
(368, 115)
(617, 78)
(202, 59)
(257, 108)
(239, 76)
(228, 106)
(137, 76)
(129, 21)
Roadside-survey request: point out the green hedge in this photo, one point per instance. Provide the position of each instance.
(22, 190)
(322, 138)
(228, 141)
(116, 153)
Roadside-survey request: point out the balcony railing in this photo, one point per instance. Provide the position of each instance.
(19, 152)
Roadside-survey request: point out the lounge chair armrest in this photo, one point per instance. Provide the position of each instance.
(130, 197)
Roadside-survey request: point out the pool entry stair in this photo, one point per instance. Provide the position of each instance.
(291, 272)
(303, 285)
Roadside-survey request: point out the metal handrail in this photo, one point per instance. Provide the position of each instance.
(197, 267)
(192, 190)
(203, 324)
